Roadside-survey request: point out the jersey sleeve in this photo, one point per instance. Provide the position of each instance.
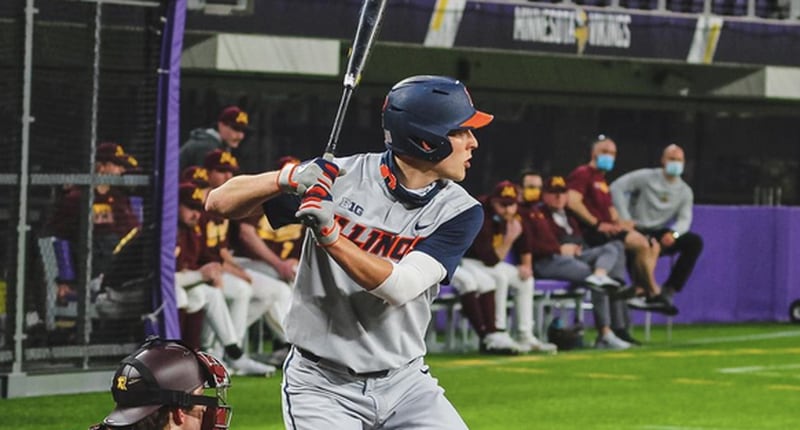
(624, 187)
(449, 242)
(683, 221)
(579, 180)
(280, 210)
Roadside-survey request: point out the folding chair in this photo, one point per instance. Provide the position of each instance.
(553, 293)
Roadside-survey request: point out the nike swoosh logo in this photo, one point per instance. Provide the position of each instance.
(419, 226)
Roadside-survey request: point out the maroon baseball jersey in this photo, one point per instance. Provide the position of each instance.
(187, 251)
(491, 235)
(286, 242)
(214, 229)
(111, 213)
(591, 183)
(546, 236)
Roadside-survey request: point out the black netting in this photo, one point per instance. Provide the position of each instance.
(11, 59)
(72, 298)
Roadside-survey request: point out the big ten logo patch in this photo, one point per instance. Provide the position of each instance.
(351, 206)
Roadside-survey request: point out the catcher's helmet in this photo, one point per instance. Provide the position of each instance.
(167, 373)
(419, 112)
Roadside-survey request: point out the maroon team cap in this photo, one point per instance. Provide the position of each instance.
(555, 184)
(505, 192)
(235, 118)
(110, 152)
(191, 196)
(196, 175)
(221, 160)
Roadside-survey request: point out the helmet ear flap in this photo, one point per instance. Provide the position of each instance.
(430, 150)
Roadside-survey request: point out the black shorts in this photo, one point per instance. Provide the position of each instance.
(595, 238)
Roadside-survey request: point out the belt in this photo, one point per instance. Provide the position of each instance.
(308, 355)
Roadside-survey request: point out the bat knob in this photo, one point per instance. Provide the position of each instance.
(309, 221)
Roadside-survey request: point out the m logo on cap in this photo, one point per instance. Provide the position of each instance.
(242, 118)
(198, 195)
(200, 173)
(558, 181)
(228, 158)
(555, 184)
(509, 191)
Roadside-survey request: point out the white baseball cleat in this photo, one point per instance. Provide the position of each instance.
(531, 344)
(500, 343)
(245, 365)
(611, 341)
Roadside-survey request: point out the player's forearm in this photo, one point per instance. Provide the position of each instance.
(683, 222)
(410, 277)
(614, 214)
(620, 198)
(364, 268)
(229, 264)
(526, 259)
(577, 207)
(251, 240)
(243, 195)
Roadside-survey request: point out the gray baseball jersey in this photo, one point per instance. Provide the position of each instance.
(336, 319)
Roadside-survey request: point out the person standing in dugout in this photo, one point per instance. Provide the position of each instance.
(383, 237)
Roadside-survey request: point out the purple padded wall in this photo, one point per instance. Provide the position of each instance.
(167, 153)
(746, 271)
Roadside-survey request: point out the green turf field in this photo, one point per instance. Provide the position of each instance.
(709, 377)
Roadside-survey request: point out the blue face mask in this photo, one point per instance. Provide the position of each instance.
(605, 162)
(674, 168)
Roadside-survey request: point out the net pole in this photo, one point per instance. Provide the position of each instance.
(84, 310)
(22, 221)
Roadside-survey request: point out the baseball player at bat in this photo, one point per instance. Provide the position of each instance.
(385, 235)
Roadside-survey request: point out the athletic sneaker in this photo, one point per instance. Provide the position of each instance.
(663, 304)
(626, 336)
(532, 344)
(611, 341)
(601, 280)
(641, 303)
(499, 343)
(608, 285)
(245, 365)
(659, 304)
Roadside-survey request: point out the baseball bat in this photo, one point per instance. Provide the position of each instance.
(369, 22)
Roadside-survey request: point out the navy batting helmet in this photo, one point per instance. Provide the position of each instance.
(420, 112)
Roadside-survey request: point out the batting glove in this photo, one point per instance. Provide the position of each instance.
(317, 205)
(297, 178)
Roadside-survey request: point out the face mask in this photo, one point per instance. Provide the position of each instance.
(674, 168)
(605, 162)
(531, 194)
